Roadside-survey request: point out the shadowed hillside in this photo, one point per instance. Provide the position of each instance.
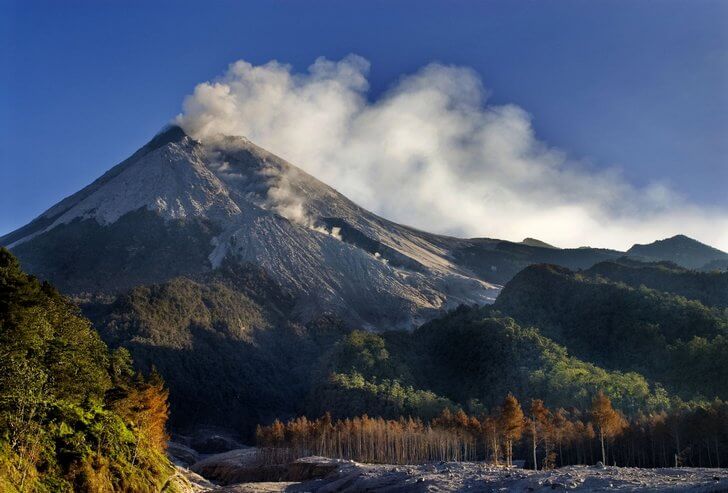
(664, 336)
(710, 288)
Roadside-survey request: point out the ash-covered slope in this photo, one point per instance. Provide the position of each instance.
(178, 207)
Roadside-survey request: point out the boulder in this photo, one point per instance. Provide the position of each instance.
(238, 466)
(181, 454)
(314, 467)
(214, 441)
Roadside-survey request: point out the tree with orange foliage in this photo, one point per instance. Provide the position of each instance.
(511, 424)
(643, 441)
(144, 405)
(539, 425)
(491, 438)
(609, 422)
(560, 428)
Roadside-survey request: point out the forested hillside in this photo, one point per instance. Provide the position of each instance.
(499, 260)
(73, 415)
(265, 366)
(225, 345)
(709, 288)
(570, 336)
(680, 343)
(467, 358)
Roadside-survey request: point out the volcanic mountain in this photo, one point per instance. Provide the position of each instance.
(183, 208)
(239, 277)
(178, 207)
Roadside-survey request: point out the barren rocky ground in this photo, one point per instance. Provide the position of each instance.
(322, 475)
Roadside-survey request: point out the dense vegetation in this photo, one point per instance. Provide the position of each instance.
(466, 357)
(73, 415)
(554, 335)
(437, 392)
(692, 435)
(678, 342)
(224, 329)
(223, 343)
(709, 288)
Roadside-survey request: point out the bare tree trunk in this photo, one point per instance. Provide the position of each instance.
(717, 453)
(533, 435)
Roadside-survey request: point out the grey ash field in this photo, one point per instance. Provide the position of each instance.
(352, 477)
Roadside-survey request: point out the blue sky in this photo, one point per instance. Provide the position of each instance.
(639, 85)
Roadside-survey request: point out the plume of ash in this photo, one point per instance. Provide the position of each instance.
(283, 199)
(431, 152)
(281, 195)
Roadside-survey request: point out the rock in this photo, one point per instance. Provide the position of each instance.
(599, 465)
(322, 475)
(186, 481)
(238, 466)
(259, 487)
(340, 483)
(314, 467)
(181, 454)
(214, 441)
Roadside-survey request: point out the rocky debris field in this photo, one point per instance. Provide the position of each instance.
(322, 475)
(486, 478)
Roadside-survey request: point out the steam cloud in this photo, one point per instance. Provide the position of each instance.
(433, 154)
(283, 199)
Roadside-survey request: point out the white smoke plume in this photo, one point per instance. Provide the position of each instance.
(432, 153)
(282, 198)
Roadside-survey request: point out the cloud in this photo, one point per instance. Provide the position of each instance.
(433, 153)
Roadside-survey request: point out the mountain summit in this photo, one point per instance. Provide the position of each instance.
(681, 250)
(178, 207)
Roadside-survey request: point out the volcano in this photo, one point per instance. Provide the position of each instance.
(180, 207)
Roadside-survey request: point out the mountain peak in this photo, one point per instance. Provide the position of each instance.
(169, 133)
(536, 243)
(680, 249)
(179, 207)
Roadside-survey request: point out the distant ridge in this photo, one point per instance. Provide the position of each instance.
(536, 243)
(681, 250)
